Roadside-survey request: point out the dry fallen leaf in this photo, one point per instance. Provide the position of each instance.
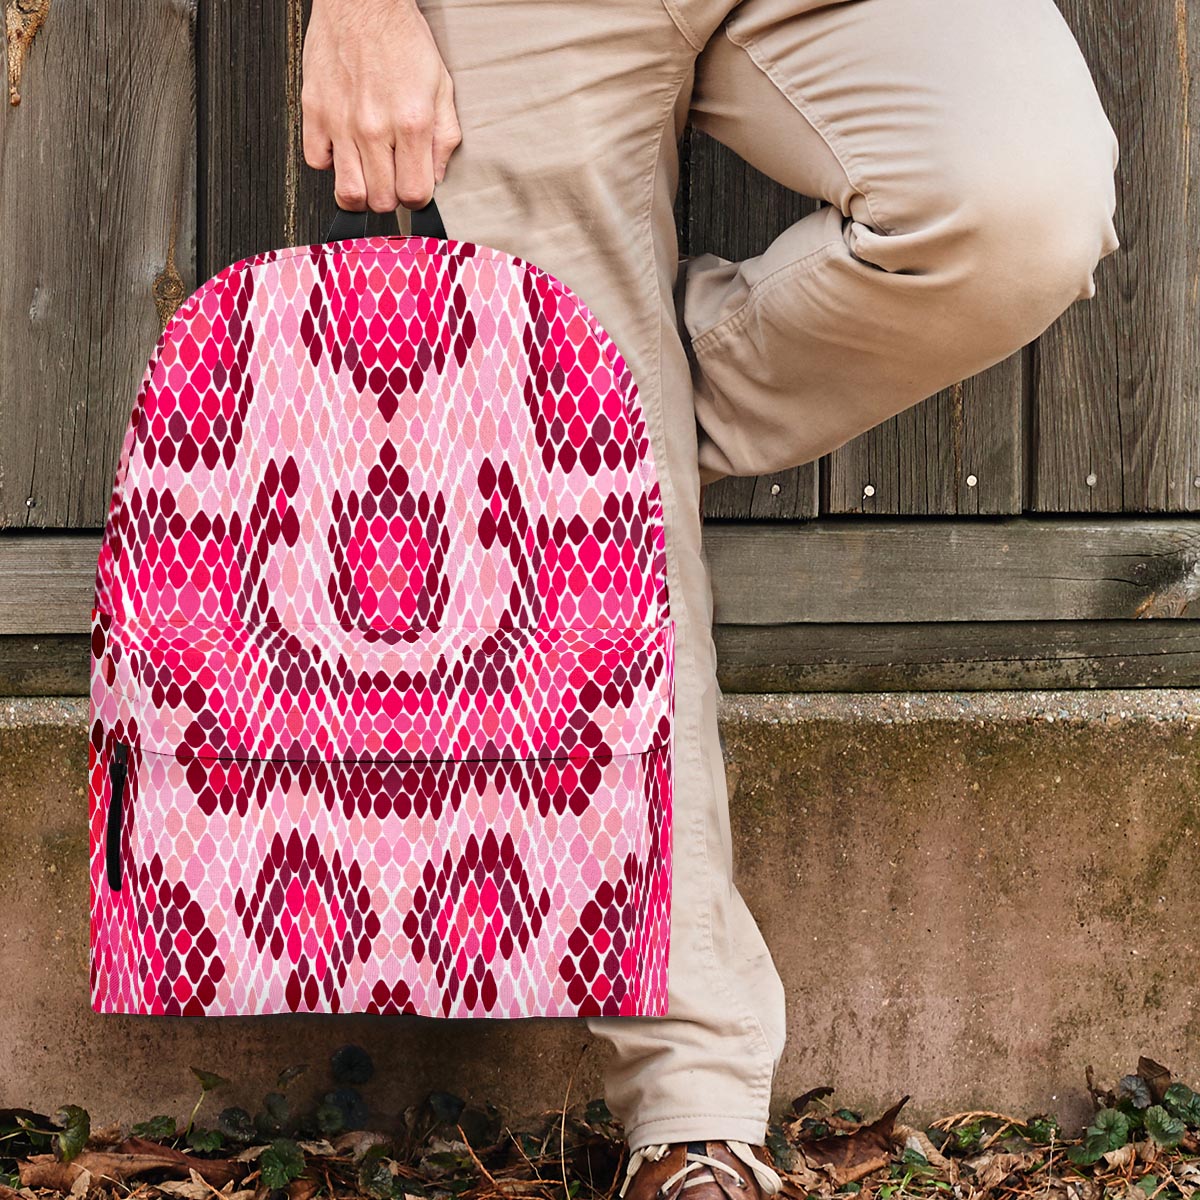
(356, 1142)
(321, 1148)
(992, 1167)
(302, 1187)
(918, 1139)
(848, 1157)
(45, 1171)
(1157, 1077)
(1123, 1156)
(188, 1189)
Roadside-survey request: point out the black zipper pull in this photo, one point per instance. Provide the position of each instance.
(118, 768)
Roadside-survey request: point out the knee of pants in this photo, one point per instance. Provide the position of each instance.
(1007, 242)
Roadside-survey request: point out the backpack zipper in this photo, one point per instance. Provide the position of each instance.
(118, 769)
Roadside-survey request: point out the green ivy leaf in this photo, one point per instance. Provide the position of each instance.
(967, 1137)
(375, 1173)
(289, 1073)
(75, 1125)
(281, 1162)
(1112, 1126)
(1136, 1088)
(446, 1107)
(157, 1129)
(1109, 1130)
(1085, 1153)
(1165, 1129)
(1180, 1101)
(207, 1141)
(236, 1125)
(160, 1128)
(209, 1080)
(270, 1120)
(352, 1064)
(1042, 1129)
(331, 1118)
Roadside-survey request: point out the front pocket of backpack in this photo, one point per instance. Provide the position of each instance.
(485, 888)
(488, 884)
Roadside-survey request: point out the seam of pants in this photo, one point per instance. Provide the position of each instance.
(768, 283)
(748, 1021)
(805, 109)
(682, 24)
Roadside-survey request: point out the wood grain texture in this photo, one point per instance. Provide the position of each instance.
(97, 225)
(1005, 568)
(1117, 401)
(956, 656)
(957, 453)
(842, 572)
(256, 191)
(37, 665)
(47, 582)
(814, 657)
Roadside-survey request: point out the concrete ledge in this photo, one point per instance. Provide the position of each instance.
(970, 896)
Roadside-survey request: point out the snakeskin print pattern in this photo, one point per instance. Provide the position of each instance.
(382, 654)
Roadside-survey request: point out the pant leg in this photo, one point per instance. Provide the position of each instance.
(570, 112)
(968, 168)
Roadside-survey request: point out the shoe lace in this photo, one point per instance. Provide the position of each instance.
(768, 1179)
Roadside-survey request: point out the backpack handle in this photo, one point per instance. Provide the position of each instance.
(426, 222)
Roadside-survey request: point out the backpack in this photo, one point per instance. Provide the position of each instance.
(382, 660)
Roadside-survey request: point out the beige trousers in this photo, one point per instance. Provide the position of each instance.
(968, 170)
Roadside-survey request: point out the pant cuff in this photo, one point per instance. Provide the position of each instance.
(692, 1127)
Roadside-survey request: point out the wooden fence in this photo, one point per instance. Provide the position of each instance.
(1014, 530)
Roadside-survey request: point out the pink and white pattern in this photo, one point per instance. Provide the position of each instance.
(382, 625)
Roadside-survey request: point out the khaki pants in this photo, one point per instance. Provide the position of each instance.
(968, 169)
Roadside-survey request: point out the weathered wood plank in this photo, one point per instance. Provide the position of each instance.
(36, 665)
(1118, 381)
(97, 221)
(257, 192)
(957, 656)
(958, 452)
(1006, 569)
(47, 582)
(812, 657)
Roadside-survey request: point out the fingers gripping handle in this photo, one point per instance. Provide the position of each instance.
(426, 222)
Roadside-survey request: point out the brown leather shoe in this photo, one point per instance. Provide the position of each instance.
(722, 1170)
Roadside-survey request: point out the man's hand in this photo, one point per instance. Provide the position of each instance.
(378, 103)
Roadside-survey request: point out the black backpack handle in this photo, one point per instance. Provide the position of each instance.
(426, 222)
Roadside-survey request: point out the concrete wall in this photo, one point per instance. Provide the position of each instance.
(970, 896)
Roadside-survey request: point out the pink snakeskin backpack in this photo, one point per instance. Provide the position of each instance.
(382, 687)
